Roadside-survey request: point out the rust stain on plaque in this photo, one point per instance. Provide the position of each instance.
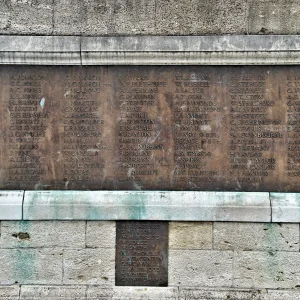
(148, 128)
(142, 253)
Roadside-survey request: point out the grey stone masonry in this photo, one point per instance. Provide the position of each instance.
(150, 50)
(149, 17)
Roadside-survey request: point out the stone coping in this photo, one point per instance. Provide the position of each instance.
(150, 205)
(150, 50)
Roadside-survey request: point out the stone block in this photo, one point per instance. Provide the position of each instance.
(274, 17)
(285, 207)
(256, 236)
(11, 205)
(44, 234)
(190, 235)
(121, 17)
(53, 292)
(89, 266)
(101, 234)
(266, 269)
(130, 292)
(283, 295)
(4, 16)
(200, 268)
(26, 17)
(9, 292)
(30, 266)
(201, 17)
(213, 294)
(68, 17)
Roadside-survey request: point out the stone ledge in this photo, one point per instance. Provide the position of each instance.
(148, 205)
(150, 50)
(11, 205)
(285, 207)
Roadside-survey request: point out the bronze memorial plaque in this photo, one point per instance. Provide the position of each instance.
(150, 127)
(142, 253)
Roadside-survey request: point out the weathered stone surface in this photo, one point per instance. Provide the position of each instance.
(89, 266)
(30, 266)
(256, 236)
(200, 17)
(9, 292)
(26, 17)
(221, 294)
(286, 295)
(190, 235)
(101, 234)
(11, 205)
(200, 268)
(285, 207)
(38, 234)
(53, 292)
(266, 269)
(274, 17)
(129, 293)
(121, 17)
(147, 205)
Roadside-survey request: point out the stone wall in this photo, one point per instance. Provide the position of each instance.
(149, 17)
(207, 260)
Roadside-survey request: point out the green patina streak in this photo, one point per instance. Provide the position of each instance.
(271, 240)
(24, 265)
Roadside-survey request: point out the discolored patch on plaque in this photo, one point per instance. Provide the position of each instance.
(142, 253)
(230, 128)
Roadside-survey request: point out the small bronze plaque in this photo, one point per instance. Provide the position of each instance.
(142, 253)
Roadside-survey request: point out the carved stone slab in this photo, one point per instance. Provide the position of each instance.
(149, 128)
(142, 253)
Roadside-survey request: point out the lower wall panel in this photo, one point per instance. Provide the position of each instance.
(207, 260)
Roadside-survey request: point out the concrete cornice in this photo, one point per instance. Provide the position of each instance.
(150, 205)
(150, 50)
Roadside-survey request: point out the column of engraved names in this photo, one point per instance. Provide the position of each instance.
(194, 137)
(83, 144)
(293, 125)
(250, 137)
(137, 128)
(28, 122)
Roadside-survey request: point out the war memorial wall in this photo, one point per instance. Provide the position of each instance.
(149, 167)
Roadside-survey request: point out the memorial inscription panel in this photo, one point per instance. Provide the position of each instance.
(147, 128)
(142, 253)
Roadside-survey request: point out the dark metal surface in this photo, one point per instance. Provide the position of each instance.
(142, 253)
(148, 128)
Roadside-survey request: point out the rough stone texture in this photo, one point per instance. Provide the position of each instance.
(274, 17)
(26, 17)
(89, 266)
(47, 234)
(68, 17)
(130, 293)
(9, 292)
(125, 17)
(256, 236)
(212, 294)
(30, 266)
(283, 295)
(190, 235)
(200, 268)
(266, 269)
(101, 234)
(201, 17)
(53, 292)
